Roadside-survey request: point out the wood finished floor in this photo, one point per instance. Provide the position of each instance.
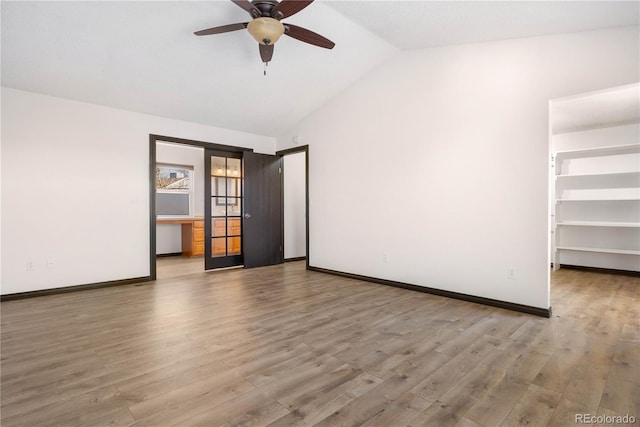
(280, 346)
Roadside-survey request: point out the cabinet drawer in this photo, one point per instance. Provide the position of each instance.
(198, 224)
(198, 234)
(198, 248)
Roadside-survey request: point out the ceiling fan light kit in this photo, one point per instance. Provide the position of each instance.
(266, 28)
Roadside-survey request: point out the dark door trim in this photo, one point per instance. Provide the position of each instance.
(153, 138)
(282, 153)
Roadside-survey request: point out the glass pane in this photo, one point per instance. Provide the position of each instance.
(235, 227)
(218, 227)
(234, 167)
(173, 178)
(217, 186)
(218, 166)
(233, 187)
(234, 245)
(234, 206)
(218, 247)
(226, 206)
(218, 206)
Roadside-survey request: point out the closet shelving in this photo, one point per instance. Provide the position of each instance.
(595, 218)
(599, 151)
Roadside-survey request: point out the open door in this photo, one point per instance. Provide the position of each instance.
(223, 209)
(262, 220)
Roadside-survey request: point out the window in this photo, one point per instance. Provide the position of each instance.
(174, 190)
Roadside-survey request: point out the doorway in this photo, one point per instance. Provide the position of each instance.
(194, 220)
(296, 203)
(594, 180)
(243, 219)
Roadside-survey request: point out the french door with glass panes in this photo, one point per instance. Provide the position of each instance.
(223, 209)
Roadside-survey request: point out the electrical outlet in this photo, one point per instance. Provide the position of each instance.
(385, 256)
(51, 264)
(511, 273)
(30, 265)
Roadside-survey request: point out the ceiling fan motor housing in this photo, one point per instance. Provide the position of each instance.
(265, 7)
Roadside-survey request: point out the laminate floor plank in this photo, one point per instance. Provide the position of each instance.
(400, 412)
(312, 407)
(535, 408)
(494, 405)
(565, 413)
(558, 371)
(60, 411)
(587, 384)
(373, 403)
(283, 346)
(622, 388)
(293, 384)
(441, 381)
(462, 396)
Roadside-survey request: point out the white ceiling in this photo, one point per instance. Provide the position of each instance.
(423, 24)
(142, 55)
(610, 107)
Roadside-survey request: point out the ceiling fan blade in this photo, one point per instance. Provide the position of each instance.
(266, 52)
(222, 29)
(246, 5)
(307, 36)
(287, 8)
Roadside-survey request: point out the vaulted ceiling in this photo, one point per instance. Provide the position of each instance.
(142, 55)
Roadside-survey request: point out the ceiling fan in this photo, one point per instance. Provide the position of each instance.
(266, 27)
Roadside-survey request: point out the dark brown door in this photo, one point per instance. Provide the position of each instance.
(262, 219)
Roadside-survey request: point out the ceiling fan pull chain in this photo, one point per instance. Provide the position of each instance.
(265, 68)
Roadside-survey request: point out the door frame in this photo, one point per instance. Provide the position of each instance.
(153, 139)
(281, 154)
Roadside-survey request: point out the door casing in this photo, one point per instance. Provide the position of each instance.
(153, 138)
(282, 153)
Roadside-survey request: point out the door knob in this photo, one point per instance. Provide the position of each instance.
(247, 215)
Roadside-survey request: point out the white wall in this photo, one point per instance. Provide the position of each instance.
(75, 188)
(295, 227)
(169, 236)
(439, 158)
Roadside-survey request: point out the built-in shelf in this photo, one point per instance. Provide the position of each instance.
(599, 151)
(599, 250)
(601, 199)
(600, 224)
(586, 175)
